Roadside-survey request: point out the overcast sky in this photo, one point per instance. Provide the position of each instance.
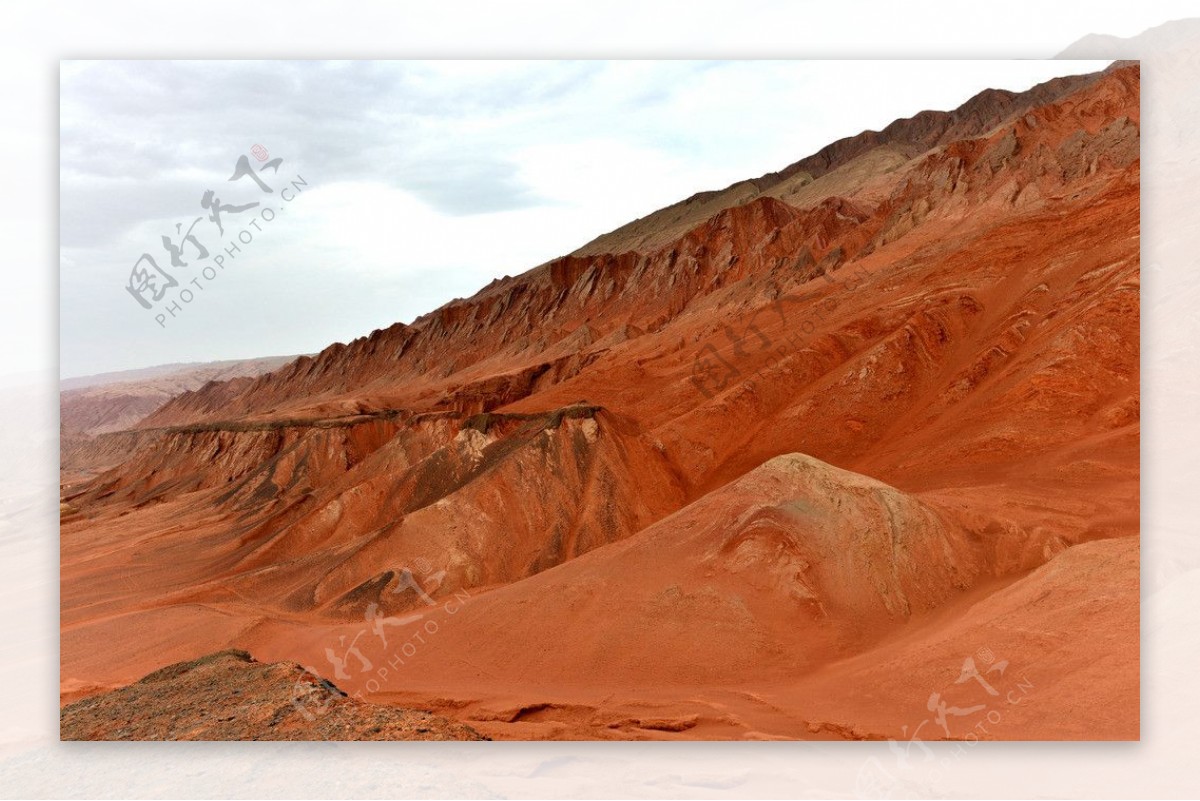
(420, 181)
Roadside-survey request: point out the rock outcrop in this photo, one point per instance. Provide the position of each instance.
(229, 696)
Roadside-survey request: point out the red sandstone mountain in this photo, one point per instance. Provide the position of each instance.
(793, 459)
(109, 402)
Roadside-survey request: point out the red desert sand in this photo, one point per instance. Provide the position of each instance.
(848, 451)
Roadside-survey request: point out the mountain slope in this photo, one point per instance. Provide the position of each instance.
(815, 417)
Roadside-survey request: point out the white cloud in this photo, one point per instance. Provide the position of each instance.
(426, 179)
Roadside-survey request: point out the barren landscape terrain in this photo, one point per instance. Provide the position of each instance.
(847, 451)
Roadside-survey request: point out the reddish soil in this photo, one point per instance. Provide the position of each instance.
(113, 402)
(849, 451)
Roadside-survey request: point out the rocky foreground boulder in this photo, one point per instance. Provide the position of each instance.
(230, 696)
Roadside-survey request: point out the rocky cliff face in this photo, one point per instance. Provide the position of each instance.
(116, 402)
(666, 437)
